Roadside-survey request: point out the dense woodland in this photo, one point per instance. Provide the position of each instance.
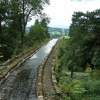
(14, 16)
(83, 47)
(57, 32)
(78, 65)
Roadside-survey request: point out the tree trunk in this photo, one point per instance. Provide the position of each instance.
(0, 31)
(23, 25)
(72, 72)
(0, 27)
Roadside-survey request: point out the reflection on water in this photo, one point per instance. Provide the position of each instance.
(45, 50)
(34, 57)
(48, 47)
(21, 84)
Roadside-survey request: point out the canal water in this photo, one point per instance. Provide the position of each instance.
(21, 83)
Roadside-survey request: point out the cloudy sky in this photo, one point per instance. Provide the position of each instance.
(60, 11)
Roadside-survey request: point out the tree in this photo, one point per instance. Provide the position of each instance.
(39, 31)
(29, 8)
(14, 15)
(84, 42)
(85, 34)
(44, 24)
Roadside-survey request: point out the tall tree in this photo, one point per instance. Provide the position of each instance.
(14, 15)
(30, 8)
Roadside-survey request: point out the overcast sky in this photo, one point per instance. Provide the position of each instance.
(60, 11)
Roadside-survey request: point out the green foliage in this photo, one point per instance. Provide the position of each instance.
(81, 87)
(14, 15)
(73, 87)
(85, 38)
(92, 87)
(83, 46)
(76, 54)
(39, 31)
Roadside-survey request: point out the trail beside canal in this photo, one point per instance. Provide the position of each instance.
(21, 83)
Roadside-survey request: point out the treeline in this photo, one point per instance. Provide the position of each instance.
(57, 32)
(82, 50)
(14, 16)
(38, 32)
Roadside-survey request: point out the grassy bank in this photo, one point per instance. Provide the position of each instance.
(84, 85)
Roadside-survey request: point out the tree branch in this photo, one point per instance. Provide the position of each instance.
(27, 16)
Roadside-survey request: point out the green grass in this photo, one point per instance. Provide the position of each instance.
(82, 87)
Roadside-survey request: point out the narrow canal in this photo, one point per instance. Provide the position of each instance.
(21, 83)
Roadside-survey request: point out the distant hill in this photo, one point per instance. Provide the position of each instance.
(57, 30)
(27, 29)
(54, 32)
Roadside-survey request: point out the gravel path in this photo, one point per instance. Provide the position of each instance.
(48, 86)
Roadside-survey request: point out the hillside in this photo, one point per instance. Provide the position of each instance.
(60, 31)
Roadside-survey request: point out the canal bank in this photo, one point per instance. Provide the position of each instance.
(21, 83)
(46, 84)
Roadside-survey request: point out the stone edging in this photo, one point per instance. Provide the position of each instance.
(54, 80)
(39, 81)
(39, 88)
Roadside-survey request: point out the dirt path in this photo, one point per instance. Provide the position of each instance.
(49, 91)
